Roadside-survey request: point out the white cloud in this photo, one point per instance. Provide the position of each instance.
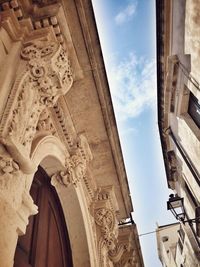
(128, 131)
(127, 13)
(133, 86)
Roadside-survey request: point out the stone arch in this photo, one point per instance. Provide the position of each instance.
(50, 153)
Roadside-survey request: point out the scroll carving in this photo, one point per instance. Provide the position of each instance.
(105, 219)
(48, 70)
(120, 253)
(75, 165)
(74, 172)
(47, 75)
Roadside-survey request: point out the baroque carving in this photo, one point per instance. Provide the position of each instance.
(12, 182)
(119, 249)
(45, 124)
(74, 172)
(46, 76)
(8, 165)
(105, 219)
(52, 80)
(75, 165)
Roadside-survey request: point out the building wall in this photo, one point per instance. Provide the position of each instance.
(178, 70)
(174, 246)
(56, 111)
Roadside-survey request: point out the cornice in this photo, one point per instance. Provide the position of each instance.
(92, 42)
(161, 75)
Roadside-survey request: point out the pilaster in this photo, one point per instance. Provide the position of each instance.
(115, 243)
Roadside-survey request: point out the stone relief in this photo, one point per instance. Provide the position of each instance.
(120, 253)
(12, 182)
(8, 165)
(45, 123)
(49, 70)
(74, 172)
(46, 76)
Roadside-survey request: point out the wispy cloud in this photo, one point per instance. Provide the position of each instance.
(133, 86)
(127, 13)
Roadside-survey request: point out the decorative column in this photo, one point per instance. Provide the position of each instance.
(15, 207)
(115, 244)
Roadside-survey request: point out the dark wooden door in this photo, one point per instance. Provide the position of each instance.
(46, 242)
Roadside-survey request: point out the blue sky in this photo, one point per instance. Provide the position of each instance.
(127, 35)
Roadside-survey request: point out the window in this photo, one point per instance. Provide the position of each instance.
(194, 109)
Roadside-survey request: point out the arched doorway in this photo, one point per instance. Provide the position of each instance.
(46, 242)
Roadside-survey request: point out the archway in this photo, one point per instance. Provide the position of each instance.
(50, 154)
(46, 242)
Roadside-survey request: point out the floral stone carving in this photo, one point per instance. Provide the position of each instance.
(46, 75)
(120, 253)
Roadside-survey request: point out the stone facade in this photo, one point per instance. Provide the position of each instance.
(56, 112)
(174, 246)
(178, 53)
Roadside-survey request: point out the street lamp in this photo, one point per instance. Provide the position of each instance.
(176, 205)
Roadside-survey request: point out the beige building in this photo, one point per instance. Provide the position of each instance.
(174, 246)
(60, 152)
(178, 69)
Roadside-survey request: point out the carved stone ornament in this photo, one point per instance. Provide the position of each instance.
(45, 123)
(12, 182)
(46, 75)
(74, 172)
(105, 219)
(120, 253)
(48, 70)
(8, 165)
